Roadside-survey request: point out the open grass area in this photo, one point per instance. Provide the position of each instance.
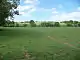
(59, 43)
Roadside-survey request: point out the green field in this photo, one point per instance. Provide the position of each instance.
(57, 43)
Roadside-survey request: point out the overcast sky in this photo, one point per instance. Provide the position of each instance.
(48, 10)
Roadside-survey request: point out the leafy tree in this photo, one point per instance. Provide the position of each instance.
(79, 24)
(7, 10)
(66, 22)
(17, 25)
(75, 22)
(32, 23)
(71, 21)
(43, 24)
(69, 25)
(25, 25)
(57, 24)
(47, 24)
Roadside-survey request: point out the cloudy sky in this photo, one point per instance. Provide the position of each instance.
(48, 10)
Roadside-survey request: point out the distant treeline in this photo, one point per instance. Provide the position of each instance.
(33, 23)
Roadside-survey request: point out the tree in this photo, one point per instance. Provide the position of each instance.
(47, 24)
(66, 22)
(43, 24)
(79, 24)
(7, 23)
(71, 21)
(17, 25)
(75, 23)
(7, 10)
(24, 25)
(69, 25)
(57, 24)
(32, 23)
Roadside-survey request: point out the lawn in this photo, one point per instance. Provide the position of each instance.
(57, 43)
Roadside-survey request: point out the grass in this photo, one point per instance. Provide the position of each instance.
(37, 41)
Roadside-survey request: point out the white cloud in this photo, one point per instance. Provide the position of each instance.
(32, 6)
(26, 7)
(25, 10)
(54, 12)
(22, 13)
(32, 10)
(34, 2)
(78, 9)
(28, 13)
(66, 16)
(39, 9)
(54, 9)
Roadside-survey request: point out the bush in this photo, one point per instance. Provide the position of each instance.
(78, 24)
(57, 24)
(43, 24)
(46, 24)
(63, 25)
(69, 25)
(17, 25)
(33, 25)
(75, 25)
(24, 25)
(11, 25)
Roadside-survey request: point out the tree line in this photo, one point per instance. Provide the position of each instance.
(33, 23)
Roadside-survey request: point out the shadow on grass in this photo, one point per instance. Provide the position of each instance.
(21, 32)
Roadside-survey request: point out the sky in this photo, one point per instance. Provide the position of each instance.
(48, 10)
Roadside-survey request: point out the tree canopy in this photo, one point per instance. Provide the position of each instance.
(7, 9)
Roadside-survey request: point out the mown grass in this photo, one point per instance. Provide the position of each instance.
(13, 42)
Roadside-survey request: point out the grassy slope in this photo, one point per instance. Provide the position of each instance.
(36, 40)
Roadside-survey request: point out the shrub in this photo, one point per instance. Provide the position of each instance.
(46, 24)
(43, 24)
(69, 25)
(79, 24)
(17, 25)
(33, 25)
(24, 25)
(11, 25)
(57, 24)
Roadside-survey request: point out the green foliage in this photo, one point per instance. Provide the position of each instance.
(63, 24)
(17, 25)
(43, 24)
(57, 24)
(32, 23)
(75, 22)
(69, 25)
(79, 24)
(66, 22)
(47, 24)
(24, 25)
(6, 10)
(71, 21)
